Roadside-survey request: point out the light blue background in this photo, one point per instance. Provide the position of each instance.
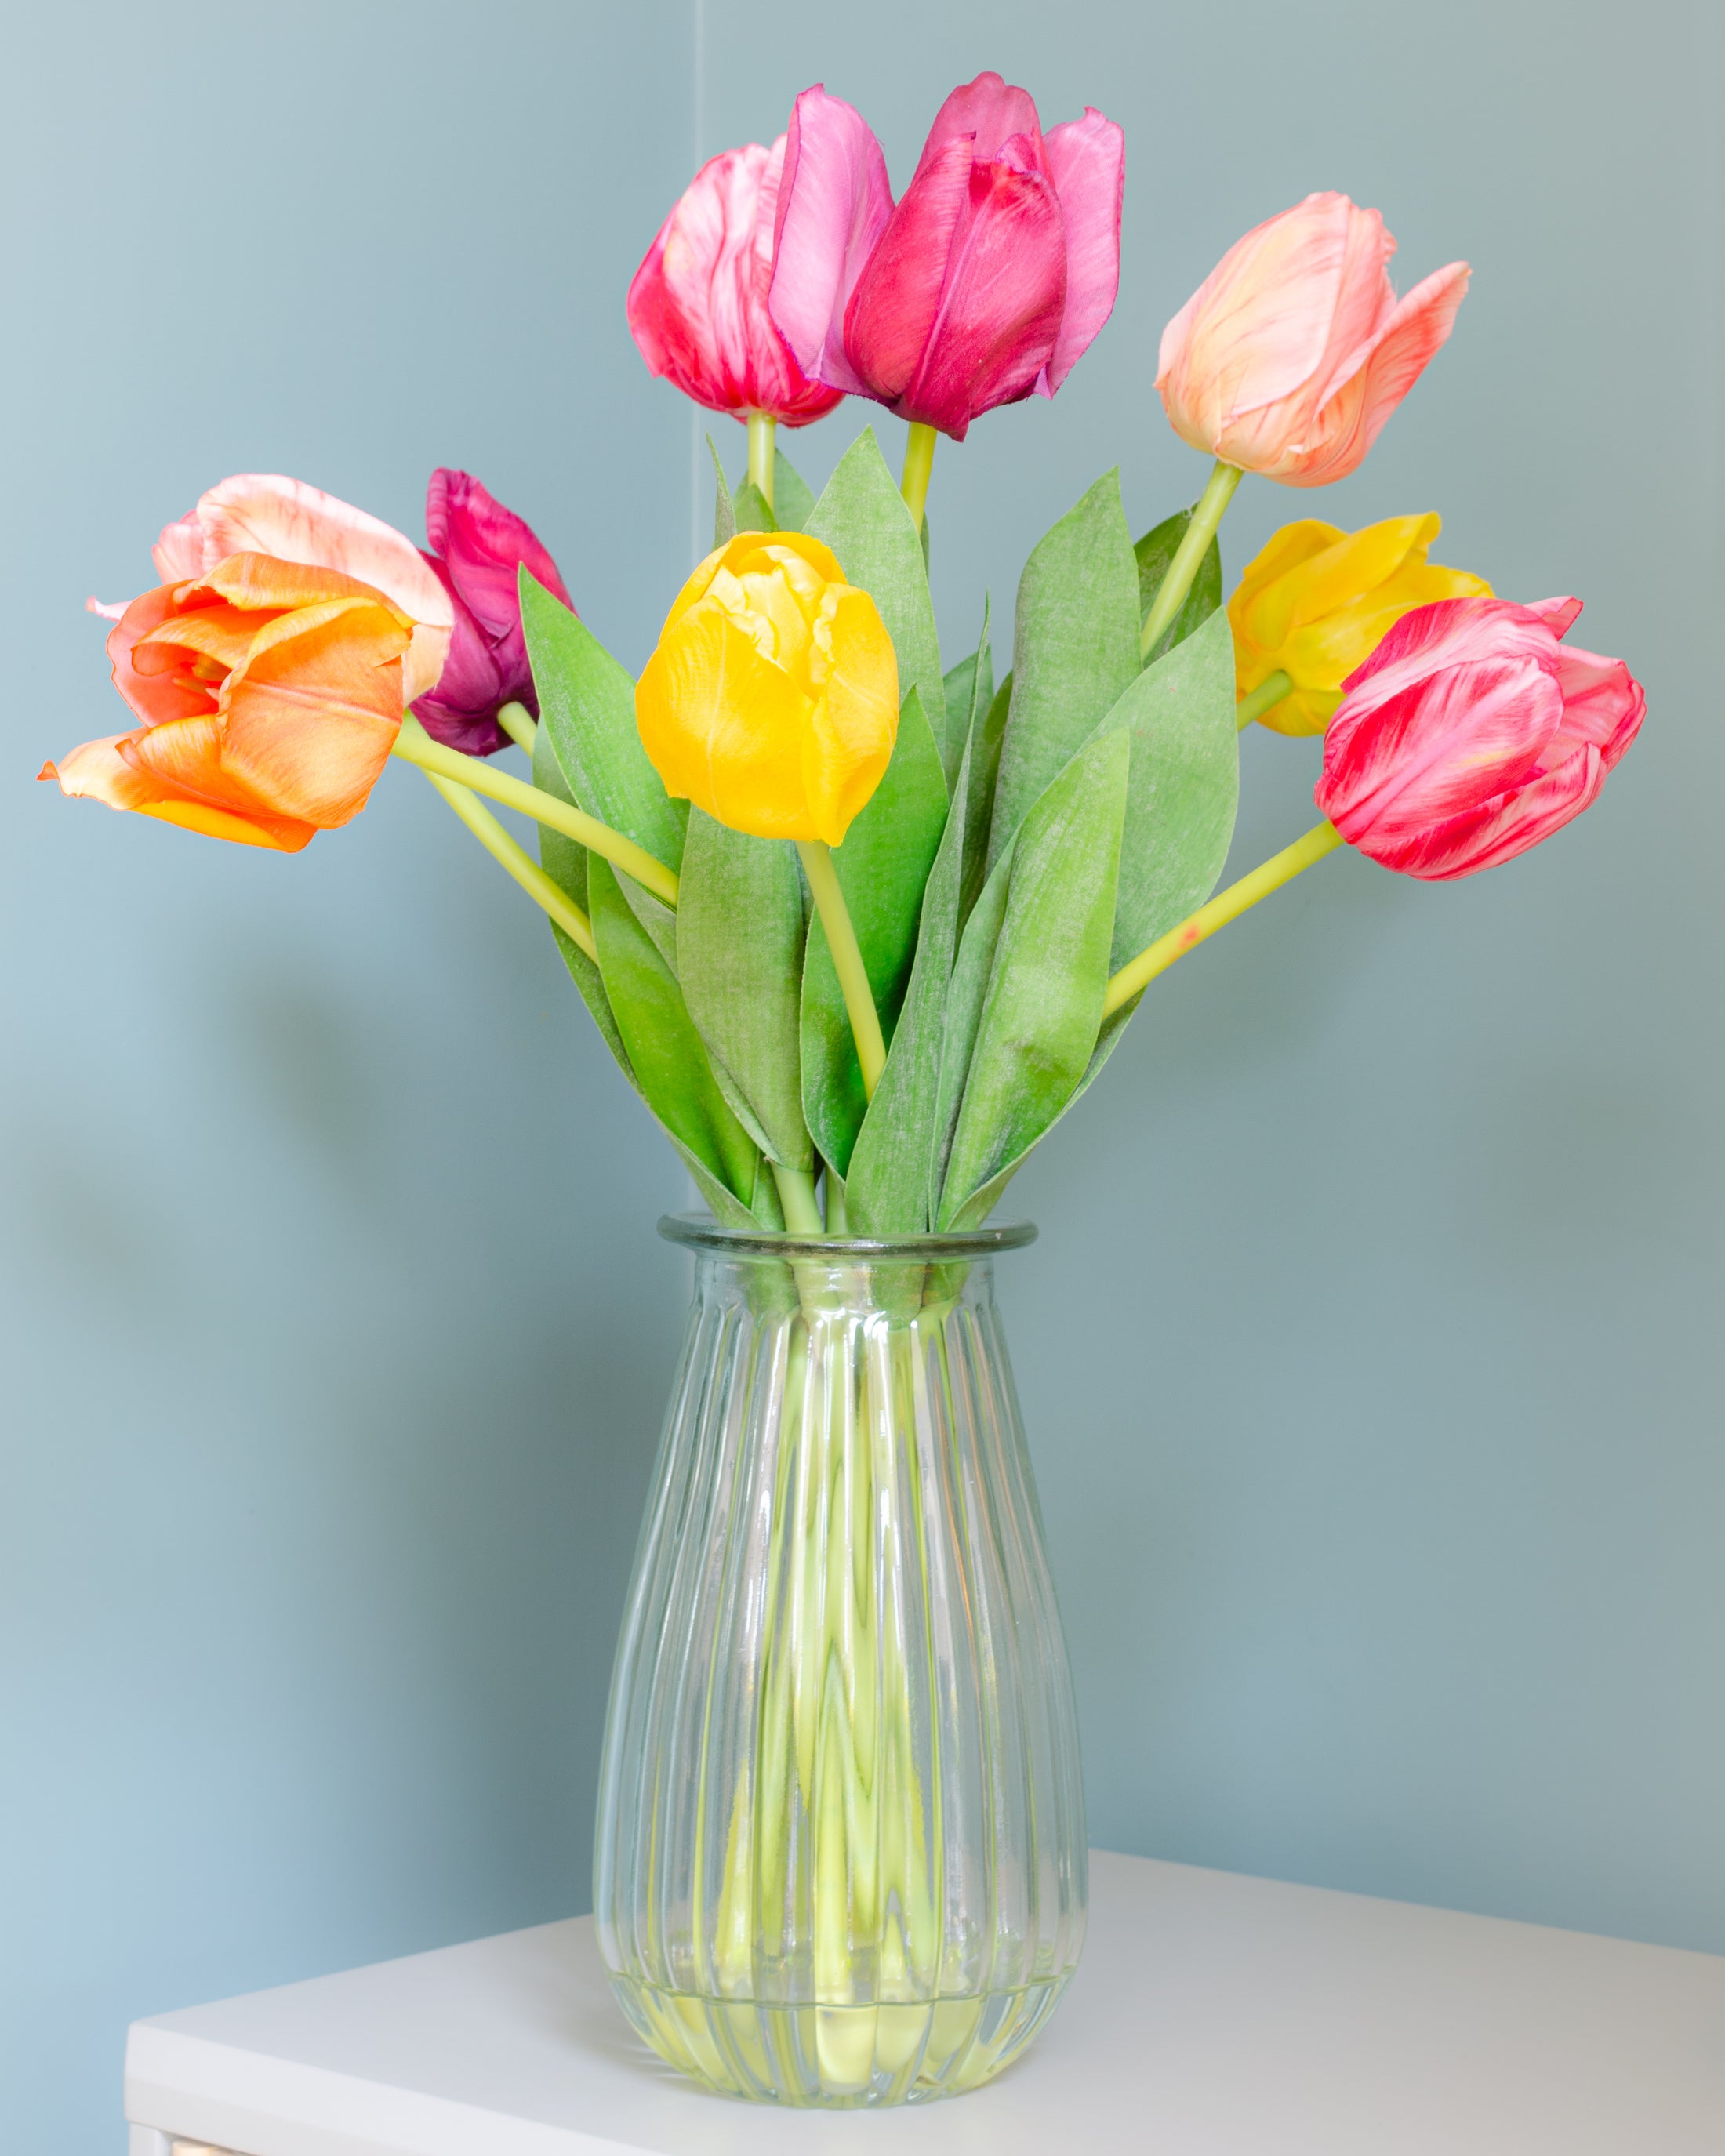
(1372, 1354)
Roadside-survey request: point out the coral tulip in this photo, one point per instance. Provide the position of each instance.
(262, 513)
(1294, 351)
(1471, 733)
(477, 548)
(1316, 602)
(987, 282)
(772, 700)
(270, 693)
(698, 305)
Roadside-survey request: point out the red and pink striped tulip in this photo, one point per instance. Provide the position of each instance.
(1471, 733)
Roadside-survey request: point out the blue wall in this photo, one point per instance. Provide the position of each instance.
(1371, 1353)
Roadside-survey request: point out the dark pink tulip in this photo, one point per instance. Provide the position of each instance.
(985, 282)
(477, 546)
(698, 305)
(1471, 733)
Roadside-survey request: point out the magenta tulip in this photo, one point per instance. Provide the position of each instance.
(1471, 733)
(985, 282)
(697, 308)
(477, 547)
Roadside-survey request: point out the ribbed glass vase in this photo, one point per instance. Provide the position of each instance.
(841, 1851)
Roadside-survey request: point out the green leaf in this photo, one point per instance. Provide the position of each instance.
(882, 867)
(724, 510)
(565, 864)
(1075, 649)
(1184, 786)
(969, 691)
(981, 777)
(979, 933)
(792, 500)
(752, 514)
(891, 1164)
(588, 700)
(1154, 552)
(665, 1052)
(862, 516)
(1044, 1004)
(740, 934)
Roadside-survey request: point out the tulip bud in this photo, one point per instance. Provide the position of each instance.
(987, 282)
(1289, 358)
(1471, 733)
(478, 548)
(1316, 602)
(697, 308)
(270, 692)
(771, 700)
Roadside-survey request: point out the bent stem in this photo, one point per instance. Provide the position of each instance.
(1225, 906)
(919, 464)
(847, 960)
(1177, 580)
(413, 745)
(517, 721)
(1268, 693)
(762, 428)
(526, 871)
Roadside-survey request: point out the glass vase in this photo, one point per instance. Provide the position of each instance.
(841, 1855)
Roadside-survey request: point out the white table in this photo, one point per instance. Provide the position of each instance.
(1213, 2016)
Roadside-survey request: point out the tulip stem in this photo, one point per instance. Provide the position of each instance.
(1225, 906)
(415, 746)
(919, 464)
(527, 871)
(1268, 692)
(1194, 544)
(847, 960)
(763, 427)
(517, 721)
(796, 1195)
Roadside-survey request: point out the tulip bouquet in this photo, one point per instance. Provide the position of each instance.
(859, 925)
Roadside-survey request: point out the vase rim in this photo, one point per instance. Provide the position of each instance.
(700, 1231)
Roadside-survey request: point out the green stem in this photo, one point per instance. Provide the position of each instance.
(763, 427)
(796, 1195)
(838, 1216)
(919, 462)
(1177, 580)
(1268, 692)
(526, 871)
(847, 960)
(517, 721)
(1225, 906)
(413, 745)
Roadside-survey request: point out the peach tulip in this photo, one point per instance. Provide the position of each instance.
(1471, 733)
(270, 692)
(1294, 351)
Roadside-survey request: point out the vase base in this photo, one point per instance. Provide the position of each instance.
(839, 2058)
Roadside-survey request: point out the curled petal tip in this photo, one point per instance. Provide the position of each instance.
(94, 605)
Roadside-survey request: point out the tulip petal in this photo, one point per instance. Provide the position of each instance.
(99, 772)
(1086, 161)
(179, 552)
(106, 608)
(263, 513)
(1497, 830)
(892, 312)
(834, 203)
(990, 111)
(723, 725)
(156, 696)
(1354, 417)
(847, 749)
(1603, 705)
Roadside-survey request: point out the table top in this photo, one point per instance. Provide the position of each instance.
(1212, 2016)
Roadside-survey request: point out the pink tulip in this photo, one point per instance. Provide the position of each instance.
(1294, 351)
(698, 305)
(262, 513)
(985, 282)
(1470, 734)
(477, 546)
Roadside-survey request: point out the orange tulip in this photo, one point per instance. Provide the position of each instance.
(270, 694)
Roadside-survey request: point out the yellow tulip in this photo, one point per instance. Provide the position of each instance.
(1318, 602)
(772, 700)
